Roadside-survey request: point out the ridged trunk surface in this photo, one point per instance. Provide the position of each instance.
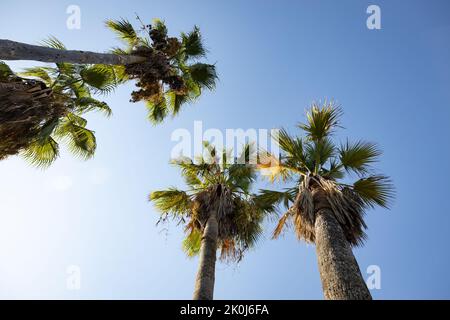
(11, 50)
(339, 272)
(204, 284)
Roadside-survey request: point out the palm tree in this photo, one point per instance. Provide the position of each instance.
(218, 211)
(37, 114)
(323, 206)
(167, 69)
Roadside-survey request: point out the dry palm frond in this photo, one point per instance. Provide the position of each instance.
(344, 203)
(281, 224)
(26, 106)
(303, 209)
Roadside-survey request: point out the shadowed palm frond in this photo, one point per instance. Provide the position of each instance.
(192, 44)
(204, 75)
(38, 72)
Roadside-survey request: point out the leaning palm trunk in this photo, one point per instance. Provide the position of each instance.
(339, 271)
(204, 284)
(11, 50)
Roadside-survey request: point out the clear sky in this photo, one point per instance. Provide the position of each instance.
(274, 58)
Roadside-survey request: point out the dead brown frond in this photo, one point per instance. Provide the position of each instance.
(281, 224)
(25, 107)
(316, 193)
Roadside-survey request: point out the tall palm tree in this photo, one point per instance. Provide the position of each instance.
(37, 114)
(323, 205)
(167, 69)
(218, 211)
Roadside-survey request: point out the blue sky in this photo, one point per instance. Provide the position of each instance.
(274, 59)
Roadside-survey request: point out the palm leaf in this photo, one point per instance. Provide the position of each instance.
(375, 190)
(192, 243)
(192, 44)
(42, 153)
(358, 156)
(204, 75)
(322, 120)
(124, 29)
(38, 72)
(157, 110)
(100, 77)
(5, 71)
(171, 201)
(87, 104)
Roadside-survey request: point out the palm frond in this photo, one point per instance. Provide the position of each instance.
(322, 120)
(273, 199)
(375, 190)
(192, 44)
(80, 140)
(157, 109)
(158, 24)
(38, 72)
(5, 71)
(124, 29)
(100, 77)
(270, 167)
(280, 225)
(53, 42)
(204, 75)
(192, 243)
(358, 156)
(87, 104)
(171, 201)
(318, 152)
(42, 153)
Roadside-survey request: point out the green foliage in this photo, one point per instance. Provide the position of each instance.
(322, 120)
(358, 156)
(5, 71)
(172, 201)
(220, 186)
(375, 190)
(124, 29)
(315, 160)
(204, 75)
(193, 44)
(72, 86)
(182, 55)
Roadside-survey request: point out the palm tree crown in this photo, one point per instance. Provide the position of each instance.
(51, 110)
(315, 162)
(215, 185)
(172, 75)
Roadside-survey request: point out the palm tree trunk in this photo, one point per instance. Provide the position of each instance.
(204, 283)
(11, 50)
(339, 271)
